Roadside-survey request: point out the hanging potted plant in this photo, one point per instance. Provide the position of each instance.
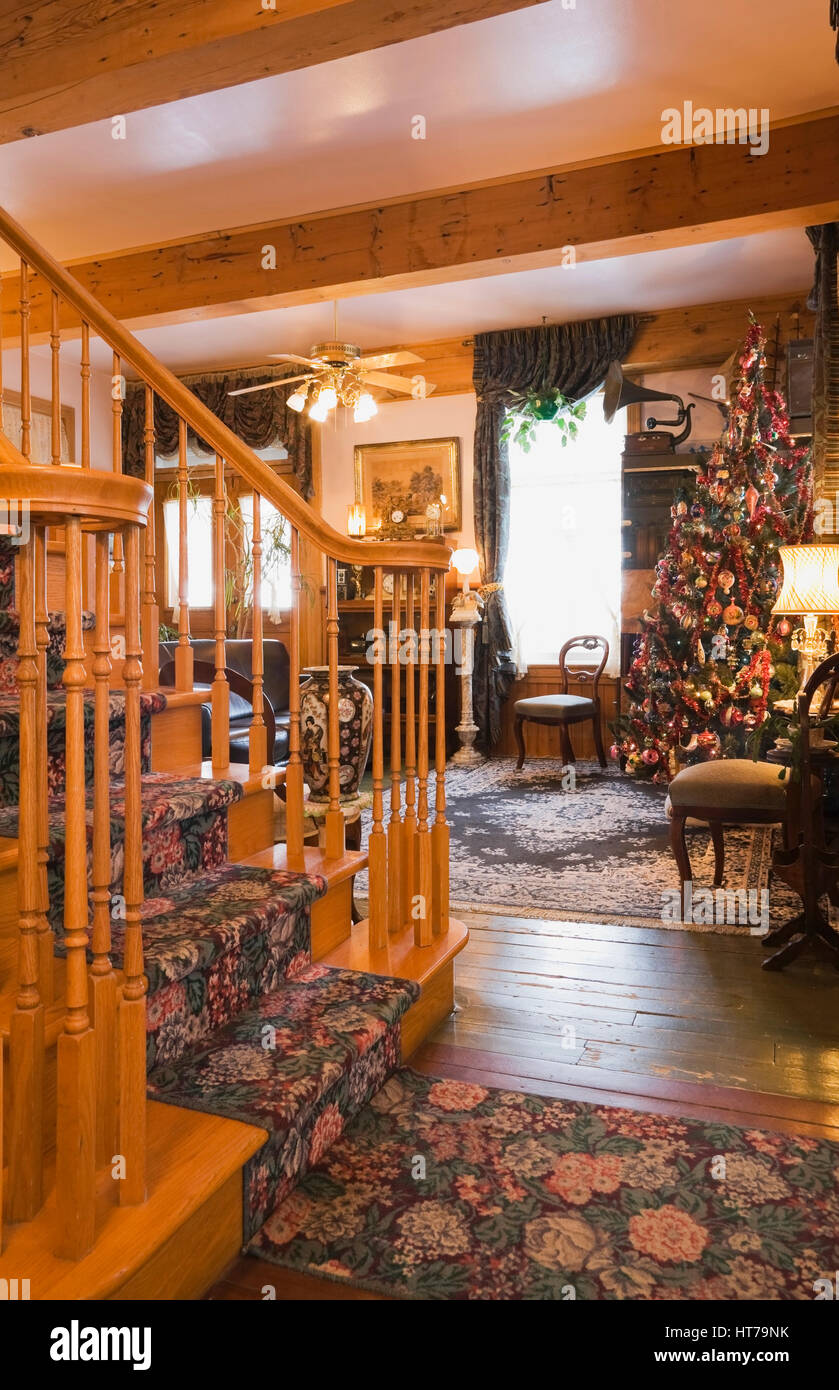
(527, 409)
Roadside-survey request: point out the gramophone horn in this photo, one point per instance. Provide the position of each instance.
(619, 393)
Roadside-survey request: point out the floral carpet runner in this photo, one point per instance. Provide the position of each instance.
(299, 1064)
(448, 1190)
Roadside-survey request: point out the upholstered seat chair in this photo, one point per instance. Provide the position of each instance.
(563, 709)
(728, 791)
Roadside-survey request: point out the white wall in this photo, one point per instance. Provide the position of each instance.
(398, 420)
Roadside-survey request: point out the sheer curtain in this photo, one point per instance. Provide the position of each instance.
(563, 572)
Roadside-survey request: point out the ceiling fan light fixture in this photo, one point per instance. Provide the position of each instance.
(328, 398)
(365, 408)
(318, 411)
(297, 399)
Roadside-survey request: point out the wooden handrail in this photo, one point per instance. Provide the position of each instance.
(393, 555)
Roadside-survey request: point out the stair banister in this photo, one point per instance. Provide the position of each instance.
(76, 1086)
(294, 770)
(258, 751)
(220, 694)
(212, 430)
(26, 1026)
(377, 842)
(103, 984)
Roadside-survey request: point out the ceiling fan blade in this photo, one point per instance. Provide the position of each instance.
(267, 385)
(292, 357)
(387, 359)
(395, 383)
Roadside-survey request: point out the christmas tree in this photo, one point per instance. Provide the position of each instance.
(711, 660)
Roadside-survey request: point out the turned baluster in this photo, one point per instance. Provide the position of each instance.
(409, 824)
(25, 379)
(118, 566)
(46, 955)
(76, 1131)
(184, 659)
(150, 617)
(132, 1008)
(220, 693)
(334, 830)
(85, 379)
(440, 829)
(424, 885)
(26, 1026)
(258, 739)
(295, 857)
(103, 985)
(55, 349)
(377, 842)
(394, 830)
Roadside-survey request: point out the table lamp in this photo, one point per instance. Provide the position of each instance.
(466, 562)
(810, 590)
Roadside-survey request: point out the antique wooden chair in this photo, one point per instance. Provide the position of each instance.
(564, 709)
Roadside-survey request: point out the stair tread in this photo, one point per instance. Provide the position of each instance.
(400, 957)
(179, 934)
(323, 1019)
(298, 1064)
(151, 702)
(316, 862)
(166, 797)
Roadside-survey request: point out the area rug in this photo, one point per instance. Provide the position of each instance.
(525, 844)
(447, 1190)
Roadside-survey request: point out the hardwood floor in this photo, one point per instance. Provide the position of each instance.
(670, 1021)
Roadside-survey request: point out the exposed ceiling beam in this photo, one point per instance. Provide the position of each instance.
(66, 64)
(638, 202)
(700, 335)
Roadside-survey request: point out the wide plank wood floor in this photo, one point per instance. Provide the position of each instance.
(670, 1021)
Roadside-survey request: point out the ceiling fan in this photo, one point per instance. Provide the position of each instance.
(339, 375)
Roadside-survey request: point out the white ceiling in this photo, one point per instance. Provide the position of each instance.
(547, 85)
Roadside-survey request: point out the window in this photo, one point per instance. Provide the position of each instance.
(563, 574)
(276, 570)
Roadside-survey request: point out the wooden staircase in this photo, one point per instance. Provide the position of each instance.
(73, 1029)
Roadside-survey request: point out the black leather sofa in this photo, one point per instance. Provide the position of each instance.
(239, 671)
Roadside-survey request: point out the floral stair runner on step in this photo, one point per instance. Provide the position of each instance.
(299, 1064)
(57, 634)
(152, 702)
(184, 833)
(209, 952)
(530, 1198)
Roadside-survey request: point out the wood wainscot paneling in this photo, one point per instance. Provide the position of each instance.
(542, 741)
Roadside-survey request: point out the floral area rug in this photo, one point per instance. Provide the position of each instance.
(524, 844)
(447, 1190)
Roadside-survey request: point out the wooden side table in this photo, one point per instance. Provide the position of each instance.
(809, 867)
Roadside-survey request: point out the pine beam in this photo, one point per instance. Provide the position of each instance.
(66, 65)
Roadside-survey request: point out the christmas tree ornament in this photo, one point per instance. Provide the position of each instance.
(725, 579)
(733, 615)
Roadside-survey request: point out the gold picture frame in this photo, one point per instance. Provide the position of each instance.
(386, 474)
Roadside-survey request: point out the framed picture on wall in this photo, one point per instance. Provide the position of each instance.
(410, 474)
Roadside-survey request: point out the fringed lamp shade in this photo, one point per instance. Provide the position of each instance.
(811, 580)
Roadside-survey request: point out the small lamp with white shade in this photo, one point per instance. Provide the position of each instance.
(810, 590)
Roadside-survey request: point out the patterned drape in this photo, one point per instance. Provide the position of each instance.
(573, 358)
(259, 419)
(823, 302)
